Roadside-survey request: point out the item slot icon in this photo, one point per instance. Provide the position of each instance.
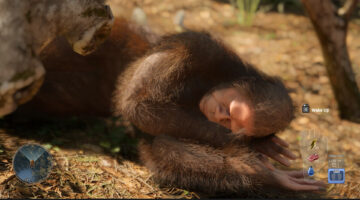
(336, 176)
(311, 171)
(313, 157)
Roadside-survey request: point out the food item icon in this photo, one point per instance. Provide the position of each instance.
(311, 171)
(313, 157)
(313, 143)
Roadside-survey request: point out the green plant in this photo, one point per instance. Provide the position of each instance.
(245, 10)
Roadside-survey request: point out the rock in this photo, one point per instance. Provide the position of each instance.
(303, 120)
(205, 14)
(139, 17)
(105, 163)
(93, 148)
(292, 85)
(318, 59)
(316, 88)
(315, 101)
(179, 20)
(323, 79)
(26, 27)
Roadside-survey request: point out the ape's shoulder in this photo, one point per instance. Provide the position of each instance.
(201, 54)
(194, 42)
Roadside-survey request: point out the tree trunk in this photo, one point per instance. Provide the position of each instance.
(331, 28)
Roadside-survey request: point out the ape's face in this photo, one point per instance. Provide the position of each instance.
(229, 108)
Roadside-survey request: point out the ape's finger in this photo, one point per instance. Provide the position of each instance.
(283, 151)
(308, 182)
(280, 141)
(266, 162)
(297, 174)
(303, 187)
(276, 156)
(288, 154)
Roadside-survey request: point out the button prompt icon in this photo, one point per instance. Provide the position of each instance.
(306, 108)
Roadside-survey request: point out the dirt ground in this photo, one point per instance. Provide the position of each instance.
(93, 158)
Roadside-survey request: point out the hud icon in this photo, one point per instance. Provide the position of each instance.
(32, 163)
(311, 171)
(313, 150)
(306, 108)
(336, 171)
(336, 176)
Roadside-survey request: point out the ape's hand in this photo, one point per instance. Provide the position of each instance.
(290, 180)
(274, 147)
(295, 180)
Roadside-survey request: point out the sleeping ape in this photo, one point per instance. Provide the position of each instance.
(212, 116)
(205, 106)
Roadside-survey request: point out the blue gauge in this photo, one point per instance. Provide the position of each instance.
(32, 163)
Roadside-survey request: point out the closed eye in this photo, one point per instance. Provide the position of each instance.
(226, 108)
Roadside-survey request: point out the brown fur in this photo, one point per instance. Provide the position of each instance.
(199, 167)
(159, 93)
(273, 109)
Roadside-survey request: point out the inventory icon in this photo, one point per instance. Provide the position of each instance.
(336, 175)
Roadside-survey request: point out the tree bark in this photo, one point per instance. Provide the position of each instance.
(331, 28)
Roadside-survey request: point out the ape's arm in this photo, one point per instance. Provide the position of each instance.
(156, 119)
(145, 98)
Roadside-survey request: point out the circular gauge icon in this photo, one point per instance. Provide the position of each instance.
(32, 163)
